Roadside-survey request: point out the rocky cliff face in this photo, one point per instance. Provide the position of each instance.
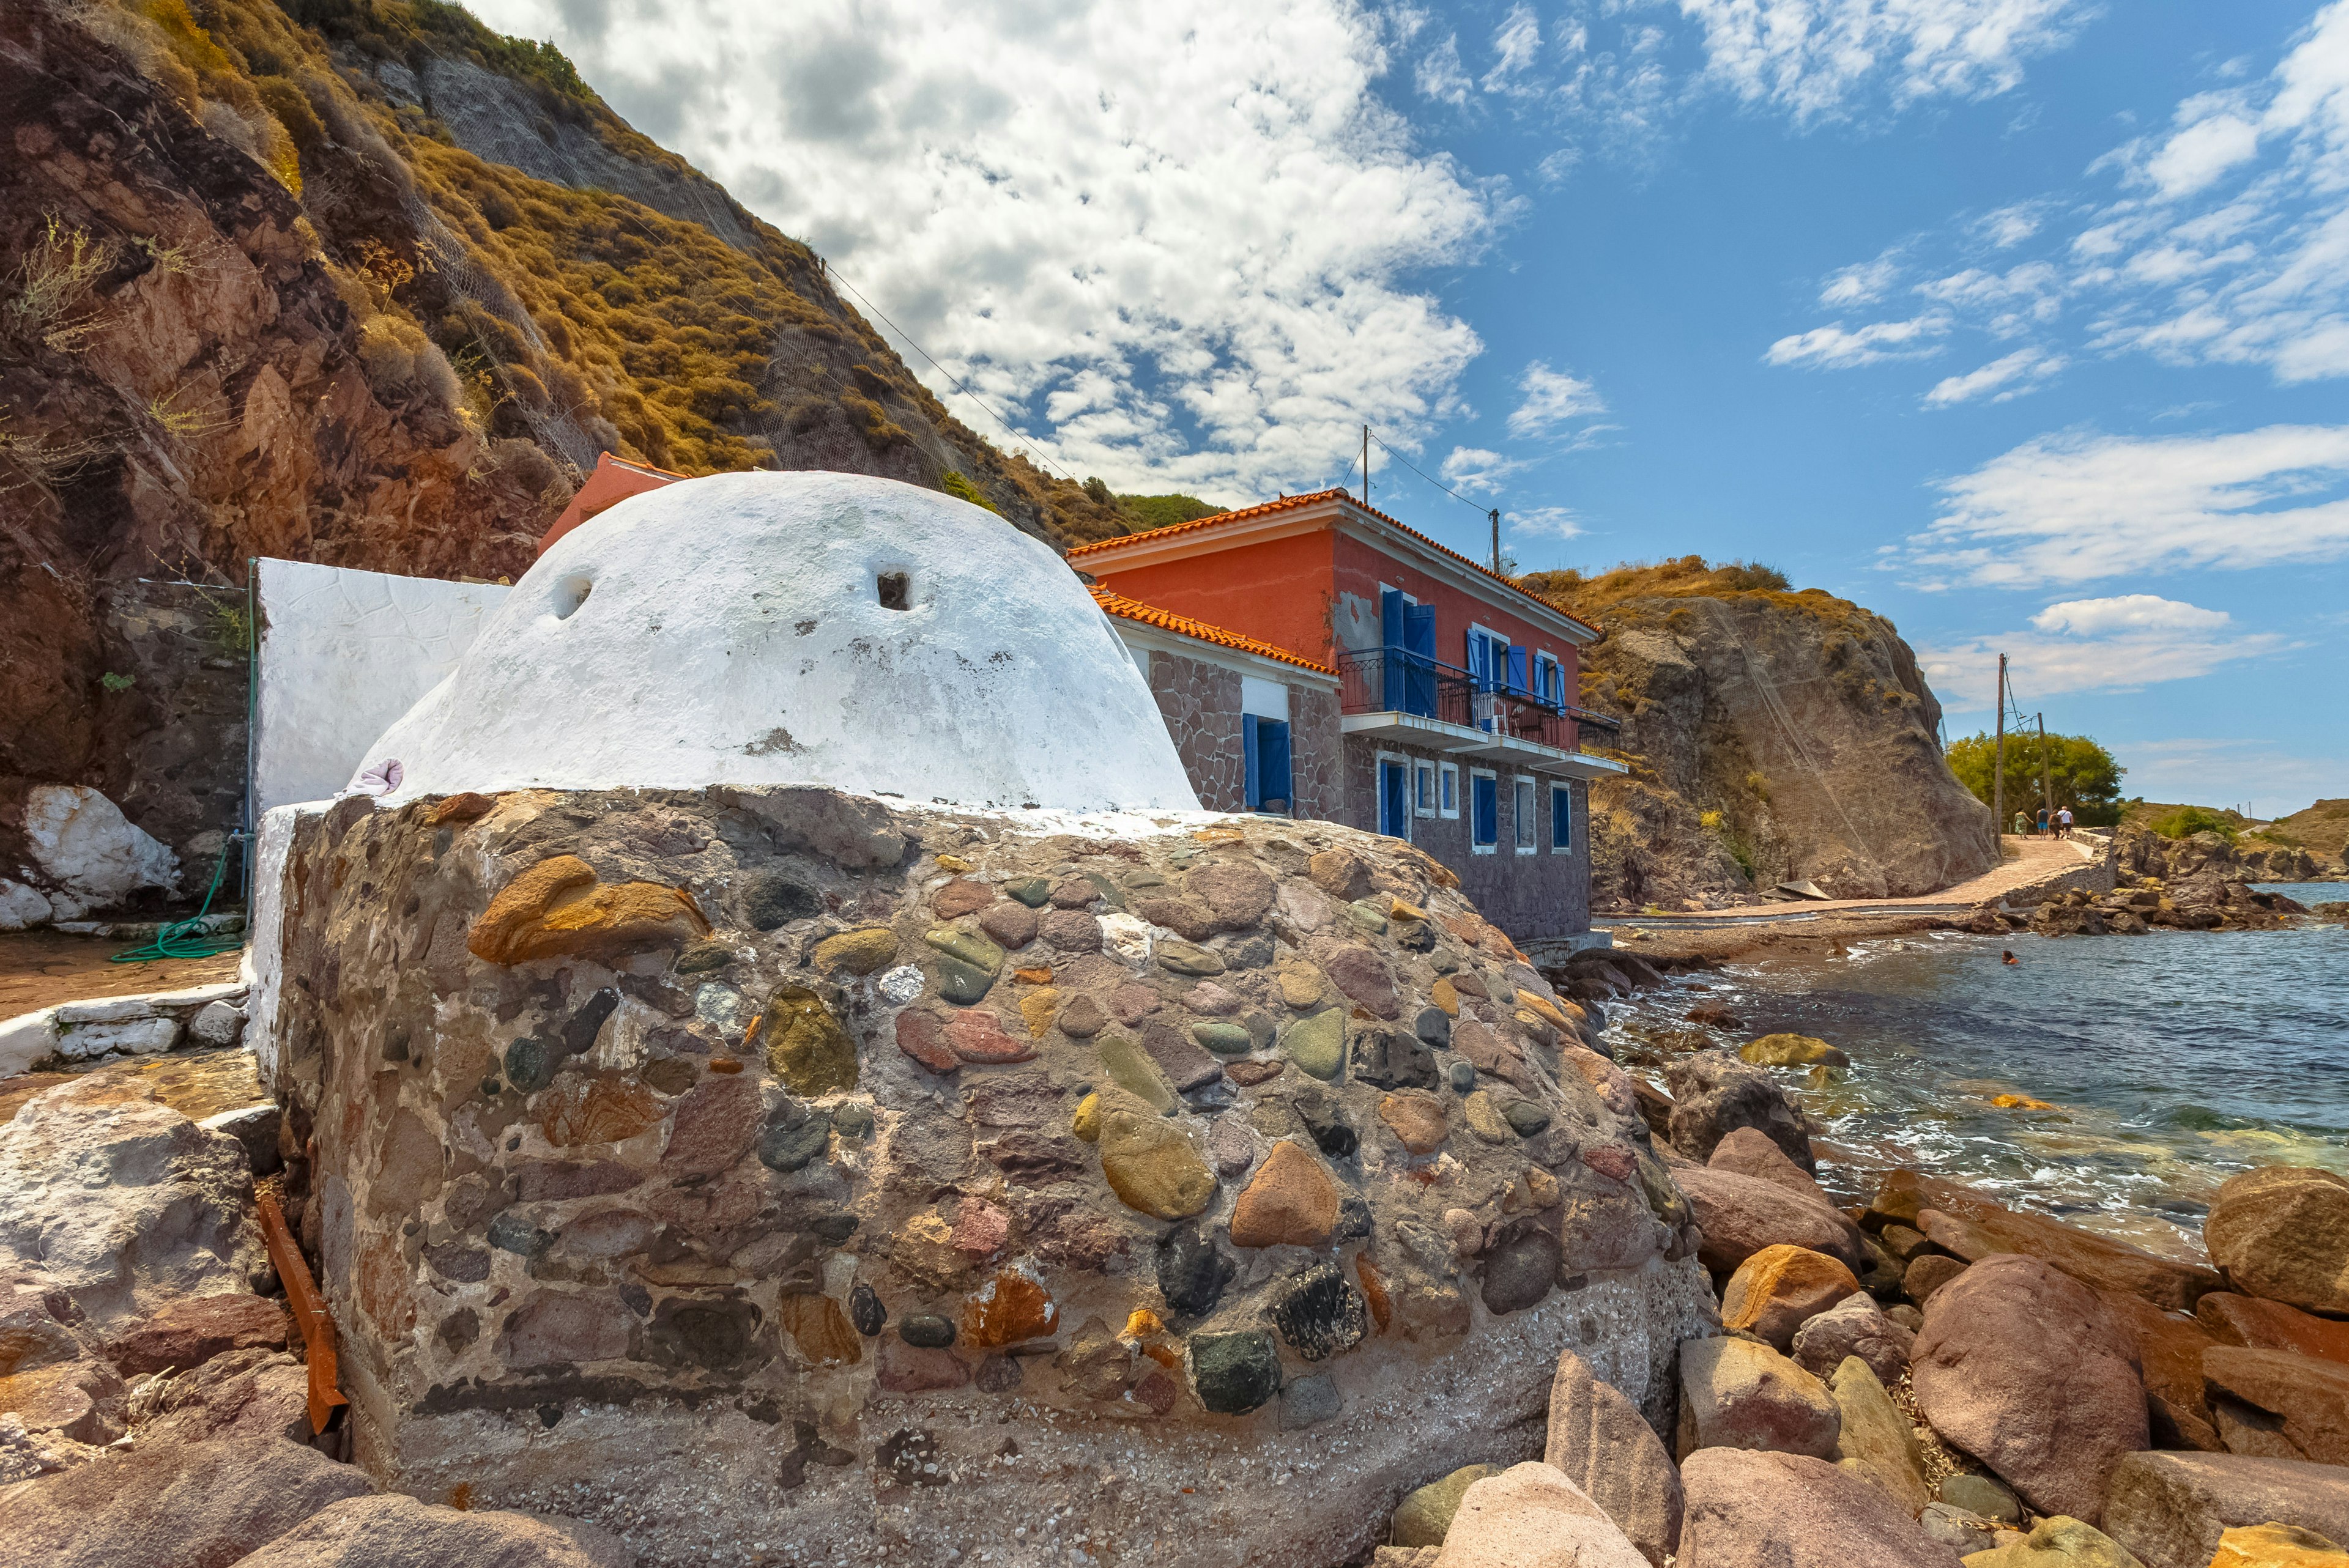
(1773, 736)
(368, 285)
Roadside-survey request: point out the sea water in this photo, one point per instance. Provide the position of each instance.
(2137, 1072)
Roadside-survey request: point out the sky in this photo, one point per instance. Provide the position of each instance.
(2025, 322)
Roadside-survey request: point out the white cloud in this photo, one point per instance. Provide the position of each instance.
(2122, 643)
(2023, 371)
(1862, 283)
(1552, 400)
(1552, 523)
(1814, 59)
(2200, 152)
(2128, 612)
(2223, 239)
(2011, 225)
(1831, 347)
(1517, 48)
(2077, 507)
(1181, 244)
(1474, 470)
(1441, 76)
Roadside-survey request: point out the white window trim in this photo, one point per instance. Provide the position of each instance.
(1420, 765)
(1556, 790)
(1450, 770)
(1379, 783)
(1468, 806)
(1541, 682)
(1522, 784)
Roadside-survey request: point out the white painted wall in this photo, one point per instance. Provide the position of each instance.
(729, 630)
(1264, 699)
(343, 655)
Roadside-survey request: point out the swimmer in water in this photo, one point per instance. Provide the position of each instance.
(2006, 954)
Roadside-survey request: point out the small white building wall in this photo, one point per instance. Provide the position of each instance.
(343, 653)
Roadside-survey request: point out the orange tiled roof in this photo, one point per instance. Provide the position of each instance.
(1167, 619)
(1291, 502)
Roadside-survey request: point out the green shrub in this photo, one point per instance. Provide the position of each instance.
(2189, 820)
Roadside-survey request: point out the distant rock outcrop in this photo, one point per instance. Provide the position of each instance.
(1773, 736)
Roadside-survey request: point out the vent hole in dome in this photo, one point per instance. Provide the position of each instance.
(569, 594)
(894, 588)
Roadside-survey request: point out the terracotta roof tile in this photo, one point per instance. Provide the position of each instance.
(1289, 503)
(1169, 620)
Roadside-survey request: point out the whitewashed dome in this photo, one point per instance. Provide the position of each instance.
(733, 630)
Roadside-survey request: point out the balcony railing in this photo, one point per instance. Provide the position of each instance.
(1392, 680)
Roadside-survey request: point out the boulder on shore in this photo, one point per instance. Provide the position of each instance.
(2057, 1541)
(1713, 1093)
(2278, 1546)
(1877, 1442)
(1749, 1151)
(2308, 1397)
(2257, 1325)
(2172, 1508)
(1531, 1516)
(2022, 1367)
(1424, 1514)
(2282, 1232)
(1737, 1394)
(1740, 1215)
(1974, 1227)
(1789, 1510)
(1857, 1327)
(176, 1505)
(395, 1532)
(1779, 1289)
(1600, 1441)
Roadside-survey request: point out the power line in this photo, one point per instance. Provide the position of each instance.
(1447, 490)
(833, 274)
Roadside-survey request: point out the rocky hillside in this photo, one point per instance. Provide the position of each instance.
(360, 281)
(1773, 736)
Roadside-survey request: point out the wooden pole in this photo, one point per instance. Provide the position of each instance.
(1998, 763)
(1496, 541)
(309, 1313)
(1366, 468)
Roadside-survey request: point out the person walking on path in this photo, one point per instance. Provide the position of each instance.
(2064, 822)
(2022, 824)
(2041, 832)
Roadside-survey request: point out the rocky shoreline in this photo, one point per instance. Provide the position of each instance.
(1386, 1260)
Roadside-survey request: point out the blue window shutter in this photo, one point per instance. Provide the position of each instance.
(1475, 657)
(1391, 634)
(1487, 794)
(1517, 666)
(1561, 817)
(1249, 753)
(1272, 761)
(1419, 639)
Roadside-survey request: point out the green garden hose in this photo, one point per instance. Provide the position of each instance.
(189, 938)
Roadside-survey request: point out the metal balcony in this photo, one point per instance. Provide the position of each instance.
(1412, 699)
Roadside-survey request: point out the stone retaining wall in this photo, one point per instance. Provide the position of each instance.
(749, 1168)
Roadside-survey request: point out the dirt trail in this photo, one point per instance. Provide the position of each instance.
(41, 968)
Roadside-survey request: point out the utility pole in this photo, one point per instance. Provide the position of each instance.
(2046, 785)
(1998, 765)
(1366, 468)
(1496, 541)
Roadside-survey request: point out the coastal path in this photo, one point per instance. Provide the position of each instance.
(2038, 863)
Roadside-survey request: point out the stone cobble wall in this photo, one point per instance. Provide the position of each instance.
(1317, 754)
(1201, 703)
(735, 1166)
(1539, 897)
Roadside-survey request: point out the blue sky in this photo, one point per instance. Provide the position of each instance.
(2023, 322)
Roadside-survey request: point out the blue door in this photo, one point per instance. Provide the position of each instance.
(1394, 800)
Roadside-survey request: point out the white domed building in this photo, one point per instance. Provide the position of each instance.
(797, 628)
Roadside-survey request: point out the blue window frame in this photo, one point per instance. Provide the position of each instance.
(1483, 811)
(1394, 798)
(1561, 818)
(1264, 745)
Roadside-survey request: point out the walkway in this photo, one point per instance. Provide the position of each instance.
(2037, 861)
